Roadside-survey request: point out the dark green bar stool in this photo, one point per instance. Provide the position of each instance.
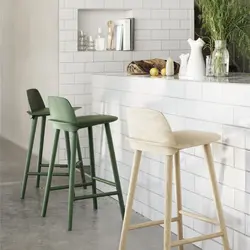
(38, 110)
(64, 118)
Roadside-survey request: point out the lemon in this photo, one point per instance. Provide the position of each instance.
(163, 72)
(154, 72)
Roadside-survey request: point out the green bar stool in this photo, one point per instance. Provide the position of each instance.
(64, 119)
(38, 110)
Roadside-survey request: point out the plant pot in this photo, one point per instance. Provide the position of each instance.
(220, 59)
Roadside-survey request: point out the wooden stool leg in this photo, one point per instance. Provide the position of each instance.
(79, 152)
(29, 154)
(115, 169)
(50, 174)
(40, 155)
(130, 199)
(209, 159)
(178, 197)
(168, 202)
(92, 165)
(72, 179)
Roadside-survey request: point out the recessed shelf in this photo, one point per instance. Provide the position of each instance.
(89, 20)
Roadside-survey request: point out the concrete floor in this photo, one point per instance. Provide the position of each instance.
(22, 228)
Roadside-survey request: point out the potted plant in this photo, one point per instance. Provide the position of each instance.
(226, 21)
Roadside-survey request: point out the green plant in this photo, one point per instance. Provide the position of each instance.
(227, 20)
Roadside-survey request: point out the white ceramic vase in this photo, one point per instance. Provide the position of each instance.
(196, 68)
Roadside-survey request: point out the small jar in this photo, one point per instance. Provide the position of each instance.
(91, 45)
(209, 66)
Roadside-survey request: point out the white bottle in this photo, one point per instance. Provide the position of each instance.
(100, 41)
(184, 62)
(170, 67)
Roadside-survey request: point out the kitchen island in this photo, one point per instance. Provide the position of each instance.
(216, 105)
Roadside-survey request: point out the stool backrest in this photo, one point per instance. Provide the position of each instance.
(61, 110)
(149, 126)
(35, 100)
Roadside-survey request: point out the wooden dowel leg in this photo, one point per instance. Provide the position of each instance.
(130, 199)
(179, 197)
(210, 163)
(168, 202)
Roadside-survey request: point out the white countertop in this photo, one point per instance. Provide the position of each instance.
(239, 78)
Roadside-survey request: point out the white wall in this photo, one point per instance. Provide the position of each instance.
(6, 44)
(30, 60)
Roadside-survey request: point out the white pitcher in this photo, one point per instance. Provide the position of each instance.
(196, 68)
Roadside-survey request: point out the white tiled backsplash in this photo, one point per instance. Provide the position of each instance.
(161, 30)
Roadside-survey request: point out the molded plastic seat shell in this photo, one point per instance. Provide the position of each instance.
(150, 131)
(63, 116)
(36, 103)
(92, 120)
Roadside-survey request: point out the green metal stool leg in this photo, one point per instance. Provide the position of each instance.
(72, 179)
(40, 155)
(29, 154)
(115, 169)
(50, 173)
(67, 141)
(92, 165)
(81, 162)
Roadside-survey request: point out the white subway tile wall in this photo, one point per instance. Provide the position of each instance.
(161, 27)
(186, 106)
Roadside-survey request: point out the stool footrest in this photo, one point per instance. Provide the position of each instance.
(67, 186)
(110, 183)
(196, 239)
(199, 217)
(150, 224)
(45, 174)
(84, 197)
(46, 165)
(105, 181)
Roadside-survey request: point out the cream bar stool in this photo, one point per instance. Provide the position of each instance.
(149, 131)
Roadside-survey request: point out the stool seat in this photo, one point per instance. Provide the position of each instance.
(92, 120)
(44, 112)
(191, 138)
(176, 141)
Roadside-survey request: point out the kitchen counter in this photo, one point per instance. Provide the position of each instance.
(217, 105)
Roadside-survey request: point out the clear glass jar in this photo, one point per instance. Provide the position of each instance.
(220, 59)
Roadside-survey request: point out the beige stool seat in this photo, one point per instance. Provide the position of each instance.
(149, 131)
(191, 138)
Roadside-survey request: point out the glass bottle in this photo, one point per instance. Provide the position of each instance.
(220, 59)
(82, 41)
